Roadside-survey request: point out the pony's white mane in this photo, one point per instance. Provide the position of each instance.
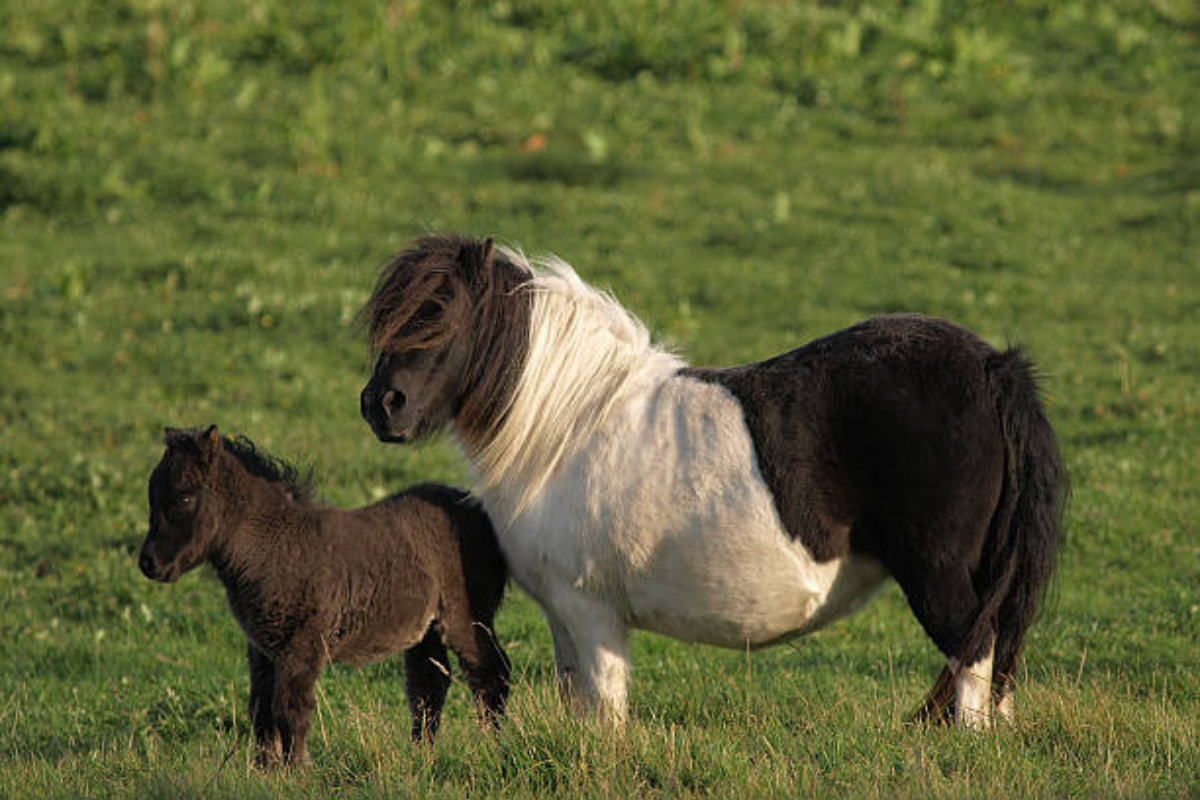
(586, 355)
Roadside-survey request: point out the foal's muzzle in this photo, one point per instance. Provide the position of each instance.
(150, 567)
(146, 565)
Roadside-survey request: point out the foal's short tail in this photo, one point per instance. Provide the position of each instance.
(1025, 531)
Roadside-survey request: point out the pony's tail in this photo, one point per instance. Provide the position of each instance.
(1025, 532)
(1038, 479)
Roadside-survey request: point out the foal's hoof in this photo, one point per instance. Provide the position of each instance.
(268, 756)
(267, 763)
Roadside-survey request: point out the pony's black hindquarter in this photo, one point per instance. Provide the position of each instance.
(735, 506)
(417, 572)
(910, 440)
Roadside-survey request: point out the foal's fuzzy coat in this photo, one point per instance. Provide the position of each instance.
(312, 584)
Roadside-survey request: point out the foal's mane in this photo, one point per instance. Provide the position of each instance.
(270, 468)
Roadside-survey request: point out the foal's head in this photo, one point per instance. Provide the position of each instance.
(185, 504)
(448, 330)
(202, 487)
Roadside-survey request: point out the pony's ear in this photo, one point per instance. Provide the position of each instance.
(210, 443)
(476, 257)
(489, 253)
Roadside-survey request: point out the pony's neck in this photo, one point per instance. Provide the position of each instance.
(586, 357)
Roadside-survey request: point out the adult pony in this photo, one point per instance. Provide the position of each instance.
(738, 506)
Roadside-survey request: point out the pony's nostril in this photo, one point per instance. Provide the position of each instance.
(146, 564)
(392, 401)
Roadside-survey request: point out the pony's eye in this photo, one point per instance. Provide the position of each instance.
(185, 500)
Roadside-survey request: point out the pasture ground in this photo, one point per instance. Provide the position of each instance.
(195, 196)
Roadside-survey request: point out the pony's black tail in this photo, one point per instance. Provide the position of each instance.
(1025, 531)
(1037, 481)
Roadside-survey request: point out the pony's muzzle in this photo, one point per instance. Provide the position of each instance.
(392, 402)
(379, 410)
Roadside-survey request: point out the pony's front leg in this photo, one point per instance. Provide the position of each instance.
(591, 653)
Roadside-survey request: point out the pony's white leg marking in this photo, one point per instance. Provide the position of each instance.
(594, 648)
(973, 692)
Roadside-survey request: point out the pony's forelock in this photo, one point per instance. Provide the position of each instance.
(417, 295)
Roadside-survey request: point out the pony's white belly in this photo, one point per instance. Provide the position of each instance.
(758, 604)
(664, 517)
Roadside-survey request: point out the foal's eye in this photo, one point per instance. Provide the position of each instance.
(185, 501)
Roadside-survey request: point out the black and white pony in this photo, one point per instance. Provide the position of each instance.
(738, 506)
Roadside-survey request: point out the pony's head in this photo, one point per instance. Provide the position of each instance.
(448, 332)
(184, 504)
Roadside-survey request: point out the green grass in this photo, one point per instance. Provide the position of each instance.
(195, 196)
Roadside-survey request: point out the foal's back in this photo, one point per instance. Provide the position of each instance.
(395, 566)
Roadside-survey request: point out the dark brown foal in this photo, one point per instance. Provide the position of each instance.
(419, 571)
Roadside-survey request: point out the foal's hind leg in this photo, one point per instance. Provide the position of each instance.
(483, 663)
(426, 680)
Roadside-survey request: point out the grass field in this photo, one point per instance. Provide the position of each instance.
(195, 197)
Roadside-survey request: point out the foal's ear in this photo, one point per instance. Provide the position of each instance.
(175, 437)
(210, 443)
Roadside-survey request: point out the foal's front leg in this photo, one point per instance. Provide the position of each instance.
(268, 749)
(296, 672)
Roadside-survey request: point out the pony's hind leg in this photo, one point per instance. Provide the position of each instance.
(426, 681)
(973, 691)
(1004, 681)
(1009, 638)
(946, 604)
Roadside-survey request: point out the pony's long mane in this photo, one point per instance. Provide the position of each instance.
(276, 470)
(586, 354)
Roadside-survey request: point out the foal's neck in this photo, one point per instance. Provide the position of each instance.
(260, 516)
